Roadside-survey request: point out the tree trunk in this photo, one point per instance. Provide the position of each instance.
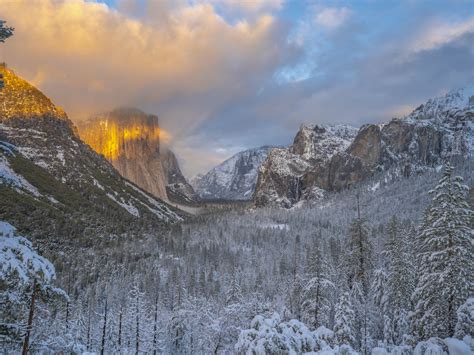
(104, 329)
(120, 330)
(155, 327)
(26, 343)
(138, 329)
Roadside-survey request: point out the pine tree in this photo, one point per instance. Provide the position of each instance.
(392, 285)
(317, 292)
(234, 293)
(344, 322)
(5, 31)
(359, 260)
(445, 252)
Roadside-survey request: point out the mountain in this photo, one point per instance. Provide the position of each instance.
(234, 179)
(440, 129)
(280, 176)
(131, 141)
(54, 186)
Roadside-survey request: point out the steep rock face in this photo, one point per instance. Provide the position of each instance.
(282, 177)
(47, 173)
(234, 179)
(438, 130)
(130, 139)
(177, 189)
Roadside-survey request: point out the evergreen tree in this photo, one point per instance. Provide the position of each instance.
(5, 31)
(234, 292)
(317, 291)
(393, 284)
(359, 260)
(344, 321)
(445, 251)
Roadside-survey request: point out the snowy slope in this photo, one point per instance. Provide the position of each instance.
(235, 178)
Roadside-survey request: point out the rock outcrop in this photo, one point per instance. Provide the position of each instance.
(438, 130)
(132, 141)
(177, 189)
(282, 177)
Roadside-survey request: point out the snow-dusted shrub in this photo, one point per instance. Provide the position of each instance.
(324, 337)
(272, 336)
(432, 346)
(465, 323)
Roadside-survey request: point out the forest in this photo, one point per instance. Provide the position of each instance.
(385, 267)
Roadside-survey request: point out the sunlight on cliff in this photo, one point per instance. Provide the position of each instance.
(111, 139)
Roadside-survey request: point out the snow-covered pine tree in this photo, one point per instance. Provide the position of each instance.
(445, 250)
(137, 321)
(393, 298)
(344, 321)
(318, 291)
(359, 259)
(5, 31)
(233, 293)
(26, 280)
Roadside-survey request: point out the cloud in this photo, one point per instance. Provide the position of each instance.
(248, 6)
(332, 17)
(438, 33)
(224, 75)
(89, 57)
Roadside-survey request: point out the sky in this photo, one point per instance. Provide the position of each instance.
(227, 75)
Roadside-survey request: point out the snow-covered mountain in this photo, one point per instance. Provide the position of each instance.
(53, 182)
(328, 159)
(279, 180)
(234, 179)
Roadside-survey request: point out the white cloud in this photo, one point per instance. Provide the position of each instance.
(332, 17)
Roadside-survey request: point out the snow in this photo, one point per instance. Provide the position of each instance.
(127, 206)
(19, 259)
(9, 177)
(157, 208)
(96, 183)
(457, 347)
(279, 226)
(273, 336)
(375, 186)
(453, 100)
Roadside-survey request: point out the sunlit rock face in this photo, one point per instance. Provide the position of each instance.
(131, 140)
(19, 99)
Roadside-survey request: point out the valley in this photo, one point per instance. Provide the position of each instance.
(236, 177)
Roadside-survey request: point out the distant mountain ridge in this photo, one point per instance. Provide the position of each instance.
(234, 179)
(53, 185)
(320, 160)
